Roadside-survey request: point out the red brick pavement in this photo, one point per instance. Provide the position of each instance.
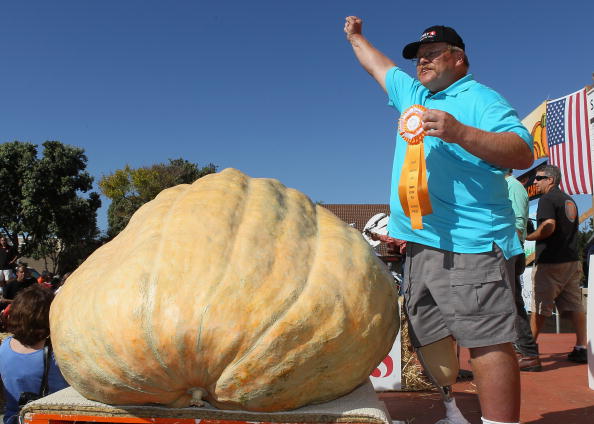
(559, 394)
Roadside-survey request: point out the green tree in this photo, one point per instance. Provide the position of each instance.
(586, 231)
(584, 236)
(129, 189)
(40, 202)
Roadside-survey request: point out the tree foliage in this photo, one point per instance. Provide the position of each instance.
(584, 243)
(40, 202)
(129, 189)
(586, 232)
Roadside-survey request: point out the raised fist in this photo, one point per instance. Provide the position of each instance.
(353, 25)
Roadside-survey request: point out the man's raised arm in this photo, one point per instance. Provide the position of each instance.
(372, 60)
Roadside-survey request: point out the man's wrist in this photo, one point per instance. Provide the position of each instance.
(463, 135)
(354, 38)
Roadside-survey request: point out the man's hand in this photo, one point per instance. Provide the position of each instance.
(504, 149)
(372, 60)
(543, 231)
(352, 26)
(438, 123)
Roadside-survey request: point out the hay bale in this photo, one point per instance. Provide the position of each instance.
(413, 378)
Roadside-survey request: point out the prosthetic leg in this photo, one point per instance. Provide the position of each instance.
(440, 362)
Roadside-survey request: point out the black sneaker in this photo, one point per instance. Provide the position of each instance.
(578, 355)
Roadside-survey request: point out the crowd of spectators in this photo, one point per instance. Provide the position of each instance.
(22, 279)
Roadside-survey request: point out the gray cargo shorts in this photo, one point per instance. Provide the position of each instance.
(466, 295)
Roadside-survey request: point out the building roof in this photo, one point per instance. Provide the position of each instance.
(357, 215)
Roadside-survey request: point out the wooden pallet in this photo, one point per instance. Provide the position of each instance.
(67, 406)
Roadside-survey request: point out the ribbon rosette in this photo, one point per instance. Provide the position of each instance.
(412, 187)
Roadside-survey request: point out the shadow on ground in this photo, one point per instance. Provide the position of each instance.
(573, 416)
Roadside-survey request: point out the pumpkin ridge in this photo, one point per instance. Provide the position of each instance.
(199, 338)
(231, 246)
(259, 189)
(234, 390)
(150, 289)
(239, 213)
(100, 371)
(185, 344)
(119, 371)
(295, 295)
(103, 370)
(111, 357)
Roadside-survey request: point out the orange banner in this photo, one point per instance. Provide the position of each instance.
(413, 190)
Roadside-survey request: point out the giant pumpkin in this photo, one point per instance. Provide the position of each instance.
(234, 289)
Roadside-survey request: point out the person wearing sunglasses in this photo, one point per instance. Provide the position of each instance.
(460, 265)
(558, 271)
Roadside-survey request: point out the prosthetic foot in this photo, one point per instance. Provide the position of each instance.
(440, 362)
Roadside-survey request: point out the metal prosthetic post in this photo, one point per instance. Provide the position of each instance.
(440, 362)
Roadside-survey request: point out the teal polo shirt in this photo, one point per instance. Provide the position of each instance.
(518, 197)
(469, 197)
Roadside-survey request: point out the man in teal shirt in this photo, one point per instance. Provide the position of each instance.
(525, 345)
(518, 197)
(459, 272)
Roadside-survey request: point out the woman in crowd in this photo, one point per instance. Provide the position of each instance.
(22, 355)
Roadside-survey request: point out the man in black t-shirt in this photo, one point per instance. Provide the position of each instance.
(22, 281)
(558, 270)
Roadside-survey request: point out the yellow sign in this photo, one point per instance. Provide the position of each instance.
(537, 125)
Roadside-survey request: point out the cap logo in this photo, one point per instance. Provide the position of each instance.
(429, 34)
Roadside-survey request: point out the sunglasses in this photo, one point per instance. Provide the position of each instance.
(541, 177)
(430, 55)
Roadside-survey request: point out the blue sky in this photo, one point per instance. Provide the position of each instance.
(268, 87)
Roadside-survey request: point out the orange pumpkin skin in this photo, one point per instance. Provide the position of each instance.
(232, 287)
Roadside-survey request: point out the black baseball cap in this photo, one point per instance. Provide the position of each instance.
(434, 34)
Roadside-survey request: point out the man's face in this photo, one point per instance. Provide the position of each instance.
(22, 274)
(3, 242)
(436, 66)
(543, 182)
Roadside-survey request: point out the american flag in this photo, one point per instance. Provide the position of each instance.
(568, 137)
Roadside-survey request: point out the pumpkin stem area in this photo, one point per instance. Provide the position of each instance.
(197, 394)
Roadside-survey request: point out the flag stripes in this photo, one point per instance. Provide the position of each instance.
(568, 136)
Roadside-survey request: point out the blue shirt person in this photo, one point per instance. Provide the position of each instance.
(22, 372)
(22, 355)
(459, 272)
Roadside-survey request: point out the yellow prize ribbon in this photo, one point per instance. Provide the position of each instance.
(412, 187)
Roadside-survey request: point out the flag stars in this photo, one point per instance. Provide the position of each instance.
(555, 122)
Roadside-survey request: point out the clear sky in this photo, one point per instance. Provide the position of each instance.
(268, 87)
